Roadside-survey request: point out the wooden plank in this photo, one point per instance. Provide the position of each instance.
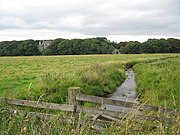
(96, 117)
(101, 100)
(43, 116)
(98, 111)
(35, 104)
(110, 118)
(62, 119)
(88, 110)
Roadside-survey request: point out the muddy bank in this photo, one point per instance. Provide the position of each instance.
(125, 92)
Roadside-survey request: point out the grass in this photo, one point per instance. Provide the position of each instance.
(49, 77)
(158, 82)
(13, 124)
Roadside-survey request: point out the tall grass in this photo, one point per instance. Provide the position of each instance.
(97, 79)
(13, 124)
(158, 82)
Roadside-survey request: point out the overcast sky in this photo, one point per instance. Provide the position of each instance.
(118, 20)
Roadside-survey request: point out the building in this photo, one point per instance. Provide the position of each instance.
(43, 44)
(116, 51)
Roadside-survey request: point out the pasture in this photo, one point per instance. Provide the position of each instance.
(47, 78)
(50, 76)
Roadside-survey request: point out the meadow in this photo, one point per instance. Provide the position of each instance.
(47, 78)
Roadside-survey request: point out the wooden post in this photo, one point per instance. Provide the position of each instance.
(72, 93)
(161, 115)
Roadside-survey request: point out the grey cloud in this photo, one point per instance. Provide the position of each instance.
(140, 17)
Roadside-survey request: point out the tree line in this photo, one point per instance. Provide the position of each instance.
(98, 45)
(79, 46)
(169, 45)
(19, 48)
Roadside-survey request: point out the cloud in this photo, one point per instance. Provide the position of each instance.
(90, 17)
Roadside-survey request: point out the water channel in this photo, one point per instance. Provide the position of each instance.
(125, 92)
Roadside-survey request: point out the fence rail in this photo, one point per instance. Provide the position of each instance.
(59, 118)
(101, 100)
(72, 108)
(75, 97)
(36, 104)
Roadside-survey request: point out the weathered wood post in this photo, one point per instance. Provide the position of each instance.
(72, 93)
(161, 116)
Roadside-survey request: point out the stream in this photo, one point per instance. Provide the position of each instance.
(125, 92)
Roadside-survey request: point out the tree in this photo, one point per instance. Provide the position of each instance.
(132, 47)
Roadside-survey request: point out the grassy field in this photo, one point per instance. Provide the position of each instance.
(48, 78)
(158, 82)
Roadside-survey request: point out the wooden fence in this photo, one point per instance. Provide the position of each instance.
(75, 99)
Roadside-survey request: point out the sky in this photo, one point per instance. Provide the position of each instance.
(118, 20)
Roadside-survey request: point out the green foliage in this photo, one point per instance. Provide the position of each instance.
(170, 45)
(19, 48)
(79, 46)
(131, 47)
(99, 45)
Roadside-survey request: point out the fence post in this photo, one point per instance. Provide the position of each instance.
(161, 116)
(72, 92)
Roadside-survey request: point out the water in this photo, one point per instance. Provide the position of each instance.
(125, 92)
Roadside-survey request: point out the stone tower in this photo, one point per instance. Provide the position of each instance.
(43, 44)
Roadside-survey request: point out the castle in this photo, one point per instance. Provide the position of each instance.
(43, 44)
